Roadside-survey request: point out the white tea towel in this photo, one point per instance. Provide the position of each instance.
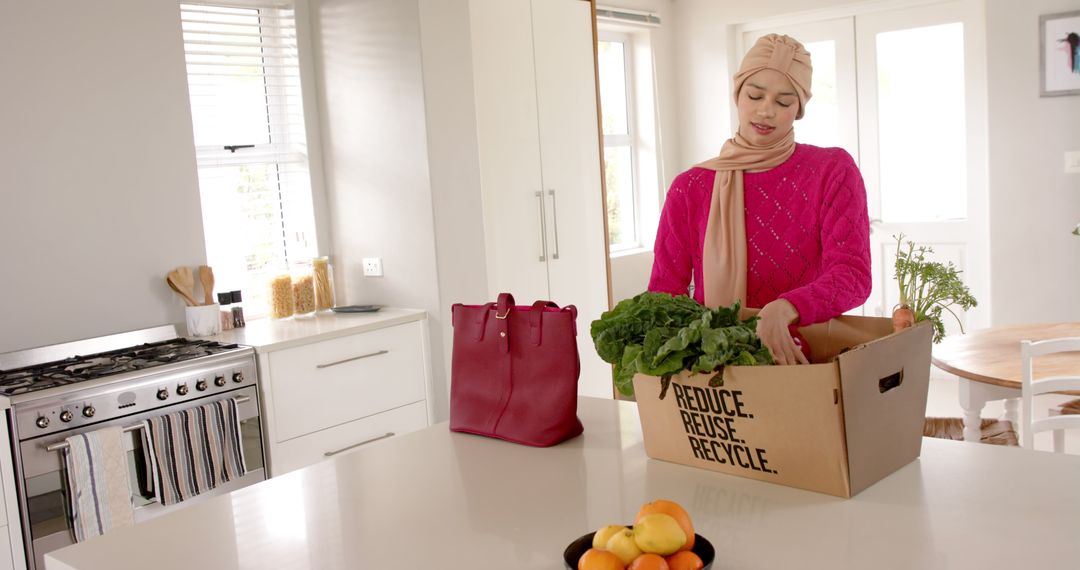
(99, 486)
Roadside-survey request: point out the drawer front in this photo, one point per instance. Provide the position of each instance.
(336, 381)
(343, 439)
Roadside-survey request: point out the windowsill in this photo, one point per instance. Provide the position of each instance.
(629, 252)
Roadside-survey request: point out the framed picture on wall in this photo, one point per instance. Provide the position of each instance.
(1059, 55)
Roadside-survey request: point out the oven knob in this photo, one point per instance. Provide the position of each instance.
(42, 422)
(88, 411)
(200, 385)
(65, 416)
(182, 390)
(163, 394)
(219, 381)
(238, 377)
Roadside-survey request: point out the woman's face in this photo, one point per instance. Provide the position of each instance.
(767, 107)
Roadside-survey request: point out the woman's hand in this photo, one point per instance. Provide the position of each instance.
(772, 328)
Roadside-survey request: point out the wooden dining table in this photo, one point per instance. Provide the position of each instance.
(987, 364)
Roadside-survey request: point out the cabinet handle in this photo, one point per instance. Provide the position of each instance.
(355, 445)
(554, 224)
(328, 365)
(543, 227)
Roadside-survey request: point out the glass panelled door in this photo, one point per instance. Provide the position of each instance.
(830, 118)
(902, 90)
(922, 132)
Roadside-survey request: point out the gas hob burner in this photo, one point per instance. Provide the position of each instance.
(100, 365)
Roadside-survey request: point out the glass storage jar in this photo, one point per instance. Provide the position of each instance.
(303, 284)
(323, 274)
(281, 296)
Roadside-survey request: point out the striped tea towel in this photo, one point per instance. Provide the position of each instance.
(98, 482)
(195, 450)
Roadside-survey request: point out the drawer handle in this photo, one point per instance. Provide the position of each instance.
(352, 359)
(355, 445)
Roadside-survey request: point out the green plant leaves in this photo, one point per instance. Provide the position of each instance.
(661, 335)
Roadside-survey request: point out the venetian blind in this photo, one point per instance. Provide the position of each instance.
(247, 117)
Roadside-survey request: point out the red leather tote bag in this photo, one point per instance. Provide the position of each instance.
(514, 372)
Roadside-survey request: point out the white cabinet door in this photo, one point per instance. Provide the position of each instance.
(537, 130)
(6, 561)
(570, 158)
(509, 147)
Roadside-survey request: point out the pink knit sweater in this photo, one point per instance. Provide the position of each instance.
(807, 234)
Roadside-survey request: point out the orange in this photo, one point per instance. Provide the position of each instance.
(685, 560)
(596, 559)
(675, 511)
(649, 561)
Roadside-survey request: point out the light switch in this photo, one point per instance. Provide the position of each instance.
(1072, 162)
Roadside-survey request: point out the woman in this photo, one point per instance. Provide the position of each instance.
(769, 223)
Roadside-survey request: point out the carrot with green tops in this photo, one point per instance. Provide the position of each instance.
(902, 318)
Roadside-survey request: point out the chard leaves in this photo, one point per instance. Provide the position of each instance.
(661, 335)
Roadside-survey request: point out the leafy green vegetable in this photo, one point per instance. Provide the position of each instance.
(929, 288)
(661, 335)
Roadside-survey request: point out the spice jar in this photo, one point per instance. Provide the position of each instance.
(225, 315)
(323, 274)
(237, 309)
(281, 297)
(303, 285)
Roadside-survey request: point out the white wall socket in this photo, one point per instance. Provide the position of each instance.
(1072, 162)
(372, 267)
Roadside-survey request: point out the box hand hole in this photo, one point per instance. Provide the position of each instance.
(891, 381)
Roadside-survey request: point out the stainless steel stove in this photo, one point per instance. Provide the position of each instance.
(123, 379)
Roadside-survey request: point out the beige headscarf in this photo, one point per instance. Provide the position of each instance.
(724, 256)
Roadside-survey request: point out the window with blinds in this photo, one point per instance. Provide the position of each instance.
(247, 116)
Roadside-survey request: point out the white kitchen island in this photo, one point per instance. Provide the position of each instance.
(436, 499)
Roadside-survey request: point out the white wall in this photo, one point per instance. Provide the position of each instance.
(98, 189)
(368, 69)
(453, 159)
(1035, 261)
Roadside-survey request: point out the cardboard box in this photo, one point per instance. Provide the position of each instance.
(836, 426)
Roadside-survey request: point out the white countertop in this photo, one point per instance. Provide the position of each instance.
(436, 499)
(268, 335)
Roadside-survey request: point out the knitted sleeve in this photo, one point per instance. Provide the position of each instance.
(843, 281)
(672, 257)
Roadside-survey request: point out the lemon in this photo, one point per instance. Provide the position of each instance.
(601, 537)
(623, 545)
(659, 533)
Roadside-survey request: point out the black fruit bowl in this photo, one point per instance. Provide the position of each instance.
(702, 547)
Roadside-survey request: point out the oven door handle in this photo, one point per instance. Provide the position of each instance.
(64, 444)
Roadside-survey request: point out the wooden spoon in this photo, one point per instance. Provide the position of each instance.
(184, 282)
(187, 300)
(206, 277)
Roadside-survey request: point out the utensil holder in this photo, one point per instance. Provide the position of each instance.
(203, 320)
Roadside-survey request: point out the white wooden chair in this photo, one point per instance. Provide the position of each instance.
(1032, 387)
